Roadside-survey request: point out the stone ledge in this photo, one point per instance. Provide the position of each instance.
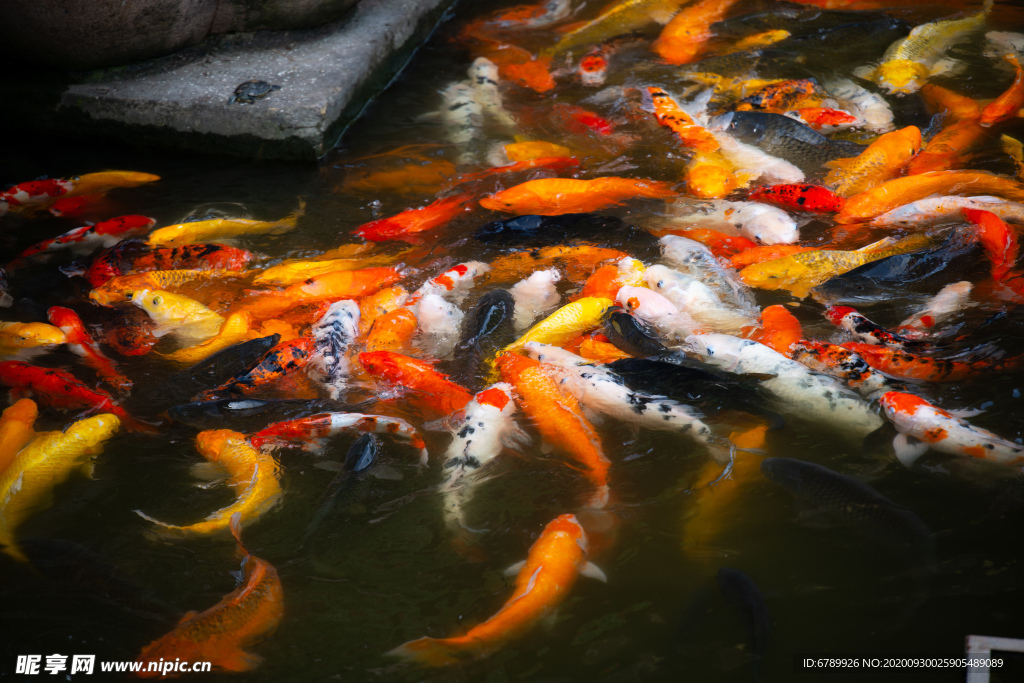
(326, 76)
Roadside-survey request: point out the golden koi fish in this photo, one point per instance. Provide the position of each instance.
(123, 287)
(220, 228)
(27, 337)
(624, 17)
(236, 329)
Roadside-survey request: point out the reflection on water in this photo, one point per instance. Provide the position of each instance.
(382, 568)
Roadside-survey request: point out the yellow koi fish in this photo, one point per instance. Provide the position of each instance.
(91, 183)
(625, 17)
(123, 287)
(911, 61)
(251, 473)
(26, 339)
(236, 329)
(883, 160)
(220, 228)
(567, 322)
(798, 273)
(16, 430)
(179, 314)
(26, 486)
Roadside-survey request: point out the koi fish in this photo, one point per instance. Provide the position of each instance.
(911, 61)
(290, 272)
(333, 334)
(709, 176)
(454, 283)
(685, 37)
(559, 420)
(955, 106)
(556, 196)
(593, 68)
(799, 197)
(600, 392)
(219, 228)
(799, 273)
(32, 195)
(218, 635)
(543, 582)
(1009, 103)
(185, 317)
(865, 330)
(824, 119)
(720, 244)
(27, 484)
(671, 116)
(567, 322)
(392, 331)
(698, 262)
(863, 103)
(439, 322)
(699, 300)
(486, 328)
(575, 262)
(951, 299)
(779, 329)
(405, 225)
(81, 343)
(87, 239)
(534, 296)
(342, 284)
(235, 329)
(904, 365)
(16, 430)
(768, 252)
(103, 181)
(536, 149)
(380, 303)
(925, 212)
(123, 287)
(999, 241)
(284, 359)
(430, 388)
(778, 98)
(883, 160)
(841, 362)
(130, 332)
(922, 425)
(251, 473)
(131, 256)
(949, 148)
(59, 389)
(311, 432)
(619, 19)
(28, 339)
(486, 428)
(794, 387)
(753, 220)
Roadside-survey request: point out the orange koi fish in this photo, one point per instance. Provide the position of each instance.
(998, 240)
(340, 284)
(818, 117)
(767, 252)
(556, 196)
(778, 98)
(558, 418)
(949, 148)
(59, 389)
(1010, 102)
(956, 107)
(543, 582)
(380, 303)
(720, 244)
(685, 38)
(779, 329)
(599, 349)
(81, 343)
(430, 388)
(904, 365)
(310, 432)
(922, 426)
(419, 177)
(251, 473)
(577, 263)
(218, 635)
(414, 221)
(668, 114)
(883, 160)
(537, 149)
(392, 331)
(123, 287)
(709, 177)
(285, 358)
(899, 191)
(16, 430)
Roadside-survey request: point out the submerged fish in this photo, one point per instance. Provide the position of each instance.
(486, 328)
(741, 593)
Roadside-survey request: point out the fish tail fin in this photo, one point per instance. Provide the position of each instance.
(429, 651)
(236, 531)
(292, 219)
(165, 529)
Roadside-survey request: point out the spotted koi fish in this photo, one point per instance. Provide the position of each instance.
(86, 239)
(865, 330)
(904, 365)
(311, 432)
(799, 197)
(284, 359)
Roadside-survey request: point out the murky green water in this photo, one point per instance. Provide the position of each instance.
(385, 571)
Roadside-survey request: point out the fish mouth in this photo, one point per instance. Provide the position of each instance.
(720, 124)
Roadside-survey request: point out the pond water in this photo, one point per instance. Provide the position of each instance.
(385, 570)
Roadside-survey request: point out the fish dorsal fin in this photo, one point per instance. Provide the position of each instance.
(515, 568)
(908, 449)
(591, 570)
(881, 244)
(965, 412)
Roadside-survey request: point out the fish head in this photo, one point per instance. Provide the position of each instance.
(899, 406)
(568, 524)
(720, 350)
(835, 314)
(546, 353)
(901, 76)
(211, 442)
(498, 395)
(775, 274)
(30, 335)
(774, 227)
(644, 302)
(709, 180)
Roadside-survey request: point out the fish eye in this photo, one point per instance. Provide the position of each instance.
(157, 300)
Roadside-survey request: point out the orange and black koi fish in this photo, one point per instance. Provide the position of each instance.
(284, 359)
(904, 365)
(132, 256)
(800, 197)
(865, 330)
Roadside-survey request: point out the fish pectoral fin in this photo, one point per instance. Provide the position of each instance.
(908, 449)
(883, 243)
(592, 571)
(867, 72)
(188, 615)
(965, 412)
(515, 568)
(239, 660)
(516, 439)
(386, 473)
(947, 67)
(757, 376)
(210, 472)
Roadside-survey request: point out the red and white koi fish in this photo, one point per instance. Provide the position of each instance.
(950, 300)
(311, 432)
(32, 193)
(865, 330)
(487, 427)
(454, 283)
(543, 582)
(81, 343)
(593, 68)
(922, 425)
(88, 238)
(998, 240)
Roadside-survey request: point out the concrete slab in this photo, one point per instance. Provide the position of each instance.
(326, 75)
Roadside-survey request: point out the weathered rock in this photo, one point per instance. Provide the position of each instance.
(278, 15)
(85, 34)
